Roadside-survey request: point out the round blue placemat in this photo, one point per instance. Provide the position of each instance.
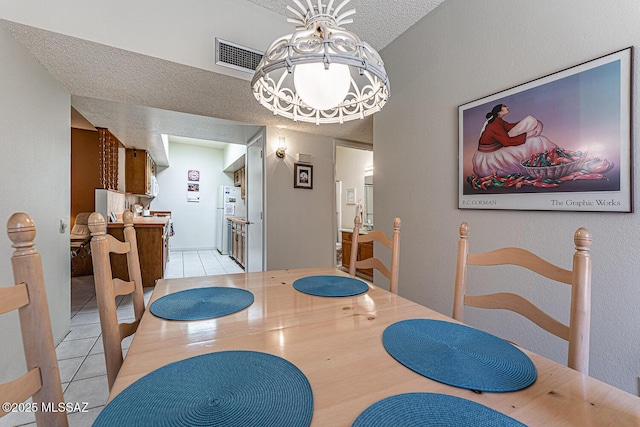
(330, 286)
(458, 355)
(431, 409)
(201, 303)
(227, 388)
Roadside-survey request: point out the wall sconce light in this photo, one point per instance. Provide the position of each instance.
(282, 147)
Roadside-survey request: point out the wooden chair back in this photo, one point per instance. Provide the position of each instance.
(29, 297)
(108, 288)
(375, 262)
(579, 278)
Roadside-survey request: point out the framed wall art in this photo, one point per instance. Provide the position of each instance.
(193, 185)
(561, 142)
(302, 175)
(351, 196)
(193, 192)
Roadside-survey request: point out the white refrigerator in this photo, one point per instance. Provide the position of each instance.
(229, 204)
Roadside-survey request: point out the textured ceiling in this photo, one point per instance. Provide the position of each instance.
(139, 97)
(378, 22)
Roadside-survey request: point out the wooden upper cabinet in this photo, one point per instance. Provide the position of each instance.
(139, 167)
(239, 180)
(243, 183)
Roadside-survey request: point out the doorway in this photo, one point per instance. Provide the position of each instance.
(354, 187)
(255, 204)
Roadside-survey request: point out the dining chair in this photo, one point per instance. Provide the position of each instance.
(108, 288)
(29, 297)
(375, 262)
(579, 278)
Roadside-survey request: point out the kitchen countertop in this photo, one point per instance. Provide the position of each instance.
(143, 221)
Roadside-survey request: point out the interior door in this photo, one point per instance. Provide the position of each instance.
(255, 205)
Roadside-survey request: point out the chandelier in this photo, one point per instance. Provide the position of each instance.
(321, 73)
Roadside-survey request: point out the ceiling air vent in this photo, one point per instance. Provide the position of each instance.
(238, 57)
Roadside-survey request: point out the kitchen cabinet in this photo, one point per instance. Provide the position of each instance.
(234, 241)
(243, 183)
(365, 250)
(238, 241)
(152, 235)
(239, 180)
(242, 238)
(139, 168)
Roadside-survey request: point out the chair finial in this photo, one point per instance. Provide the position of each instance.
(96, 224)
(22, 232)
(127, 218)
(464, 230)
(582, 239)
(396, 223)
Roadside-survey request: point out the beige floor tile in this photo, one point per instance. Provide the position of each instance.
(69, 367)
(92, 366)
(75, 348)
(94, 391)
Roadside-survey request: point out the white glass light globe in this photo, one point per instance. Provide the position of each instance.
(322, 88)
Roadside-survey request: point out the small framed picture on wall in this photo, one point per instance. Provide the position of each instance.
(302, 176)
(351, 196)
(193, 175)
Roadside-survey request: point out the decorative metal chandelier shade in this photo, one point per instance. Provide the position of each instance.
(321, 73)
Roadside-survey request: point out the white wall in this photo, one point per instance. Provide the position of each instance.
(350, 169)
(232, 153)
(194, 223)
(465, 50)
(300, 222)
(35, 154)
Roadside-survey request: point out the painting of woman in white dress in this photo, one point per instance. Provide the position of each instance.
(565, 133)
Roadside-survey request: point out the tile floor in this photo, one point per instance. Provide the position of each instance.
(199, 263)
(81, 355)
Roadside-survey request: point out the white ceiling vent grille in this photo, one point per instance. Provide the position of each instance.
(238, 57)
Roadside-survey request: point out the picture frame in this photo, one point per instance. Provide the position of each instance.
(193, 192)
(193, 175)
(303, 176)
(563, 143)
(350, 196)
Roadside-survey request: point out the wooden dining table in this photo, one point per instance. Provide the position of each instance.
(337, 343)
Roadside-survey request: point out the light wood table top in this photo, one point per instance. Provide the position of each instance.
(337, 343)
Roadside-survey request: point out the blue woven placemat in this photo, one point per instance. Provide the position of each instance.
(330, 286)
(458, 355)
(227, 388)
(201, 303)
(431, 409)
